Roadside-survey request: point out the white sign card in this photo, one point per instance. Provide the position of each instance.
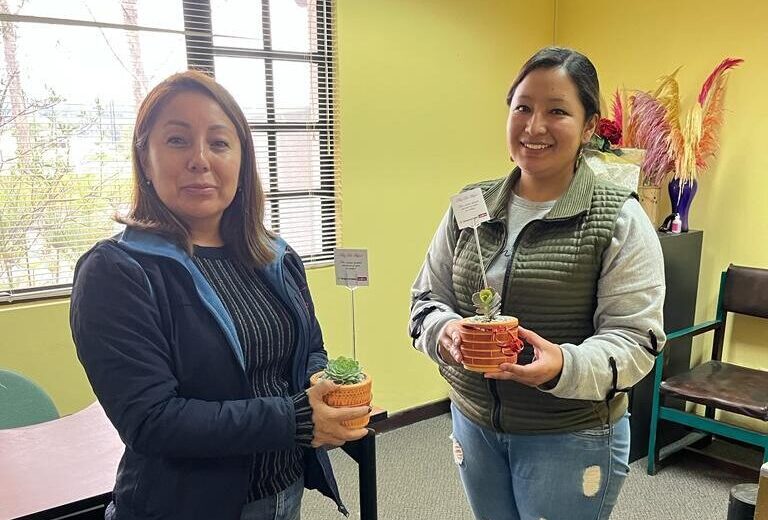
(351, 267)
(469, 208)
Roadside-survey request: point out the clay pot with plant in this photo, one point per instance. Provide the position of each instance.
(489, 338)
(354, 387)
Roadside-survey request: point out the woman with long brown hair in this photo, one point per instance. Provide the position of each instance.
(197, 331)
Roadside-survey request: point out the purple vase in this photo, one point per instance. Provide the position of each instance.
(681, 195)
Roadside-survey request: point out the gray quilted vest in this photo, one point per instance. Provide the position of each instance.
(551, 287)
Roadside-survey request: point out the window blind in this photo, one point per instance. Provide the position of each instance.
(72, 76)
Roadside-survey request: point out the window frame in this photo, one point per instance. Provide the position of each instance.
(198, 35)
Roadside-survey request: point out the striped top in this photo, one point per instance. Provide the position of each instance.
(267, 334)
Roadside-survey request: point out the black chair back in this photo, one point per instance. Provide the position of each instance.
(746, 291)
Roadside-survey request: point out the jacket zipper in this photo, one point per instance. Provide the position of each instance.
(496, 410)
(501, 248)
(494, 391)
(294, 296)
(492, 383)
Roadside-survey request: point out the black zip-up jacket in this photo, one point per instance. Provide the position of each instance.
(163, 358)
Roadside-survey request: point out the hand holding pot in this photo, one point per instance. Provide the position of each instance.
(449, 342)
(328, 430)
(547, 362)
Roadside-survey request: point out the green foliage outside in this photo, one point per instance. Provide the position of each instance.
(50, 210)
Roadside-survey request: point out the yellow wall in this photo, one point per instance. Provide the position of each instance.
(730, 205)
(422, 87)
(35, 341)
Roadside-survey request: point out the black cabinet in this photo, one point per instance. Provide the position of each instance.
(682, 260)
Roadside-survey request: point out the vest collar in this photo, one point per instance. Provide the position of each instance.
(576, 199)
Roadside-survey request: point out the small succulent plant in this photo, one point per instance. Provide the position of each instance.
(487, 303)
(344, 371)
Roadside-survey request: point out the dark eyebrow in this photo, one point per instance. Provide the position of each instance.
(553, 99)
(176, 122)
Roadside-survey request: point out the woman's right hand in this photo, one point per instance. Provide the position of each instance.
(328, 430)
(449, 343)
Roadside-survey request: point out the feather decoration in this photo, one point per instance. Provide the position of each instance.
(618, 113)
(685, 163)
(627, 106)
(630, 124)
(712, 102)
(717, 75)
(668, 94)
(651, 132)
(703, 123)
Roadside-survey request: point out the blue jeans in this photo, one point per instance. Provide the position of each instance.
(556, 476)
(286, 505)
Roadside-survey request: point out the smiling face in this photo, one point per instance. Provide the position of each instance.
(546, 124)
(193, 159)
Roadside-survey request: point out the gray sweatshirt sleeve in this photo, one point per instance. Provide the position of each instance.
(630, 303)
(432, 298)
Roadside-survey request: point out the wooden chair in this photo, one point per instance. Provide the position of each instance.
(715, 384)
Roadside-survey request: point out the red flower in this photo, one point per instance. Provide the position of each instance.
(609, 130)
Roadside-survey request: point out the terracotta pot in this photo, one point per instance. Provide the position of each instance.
(487, 361)
(490, 353)
(349, 396)
(485, 345)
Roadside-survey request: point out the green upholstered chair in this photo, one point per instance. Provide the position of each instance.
(714, 383)
(22, 402)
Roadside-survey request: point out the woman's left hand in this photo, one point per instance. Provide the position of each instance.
(547, 362)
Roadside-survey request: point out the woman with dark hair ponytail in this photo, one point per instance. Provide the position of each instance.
(576, 260)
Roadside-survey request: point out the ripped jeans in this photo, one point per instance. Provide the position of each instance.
(560, 476)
